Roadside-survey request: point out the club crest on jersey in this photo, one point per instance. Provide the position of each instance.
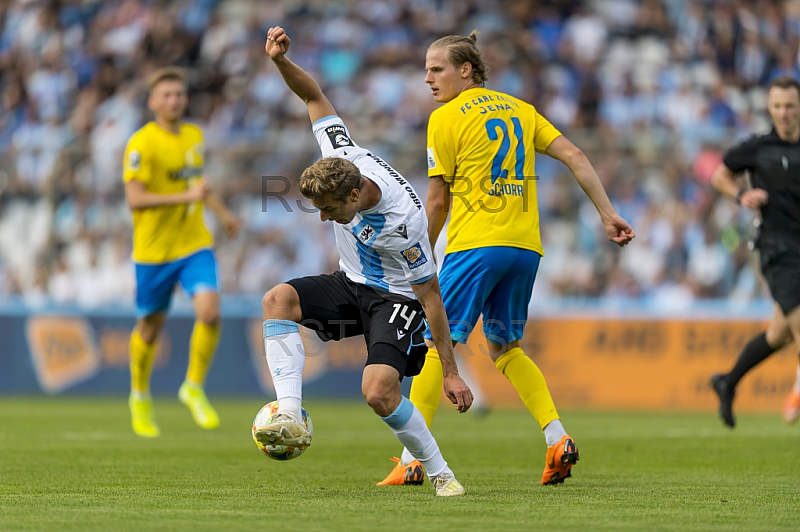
(365, 234)
(414, 256)
(134, 160)
(338, 136)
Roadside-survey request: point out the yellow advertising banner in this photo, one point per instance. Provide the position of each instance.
(637, 364)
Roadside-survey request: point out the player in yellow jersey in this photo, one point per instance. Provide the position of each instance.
(481, 155)
(165, 190)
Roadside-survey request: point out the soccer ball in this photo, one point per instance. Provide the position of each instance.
(278, 452)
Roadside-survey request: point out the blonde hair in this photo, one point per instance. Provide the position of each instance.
(462, 50)
(331, 175)
(166, 74)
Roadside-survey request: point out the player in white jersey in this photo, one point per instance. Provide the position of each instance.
(390, 249)
(385, 288)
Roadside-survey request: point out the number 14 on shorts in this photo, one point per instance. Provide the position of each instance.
(403, 310)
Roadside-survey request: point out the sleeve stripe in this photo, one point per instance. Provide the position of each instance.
(323, 119)
(424, 279)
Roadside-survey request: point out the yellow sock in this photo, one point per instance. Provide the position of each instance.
(142, 355)
(201, 352)
(530, 384)
(426, 389)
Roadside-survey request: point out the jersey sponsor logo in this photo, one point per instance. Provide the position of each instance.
(185, 173)
(431, 159)
(338, 136)
(400, 334)
(365, 234)
(414, 256)
(134, 160)
(402, 231)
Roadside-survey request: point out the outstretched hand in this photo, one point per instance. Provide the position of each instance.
(618, 230)
(277, 43)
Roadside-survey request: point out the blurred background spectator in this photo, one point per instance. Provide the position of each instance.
(653, 91)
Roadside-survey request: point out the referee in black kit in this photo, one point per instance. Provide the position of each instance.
(773, 161)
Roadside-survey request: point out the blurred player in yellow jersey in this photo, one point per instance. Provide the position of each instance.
(481, 153)
(166, 191)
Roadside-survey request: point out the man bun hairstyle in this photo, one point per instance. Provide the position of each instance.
(462, 50)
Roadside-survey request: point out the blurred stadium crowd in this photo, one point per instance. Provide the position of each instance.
(653, 91)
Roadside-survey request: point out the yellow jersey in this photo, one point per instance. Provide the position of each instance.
(166, 163)
(479, 143)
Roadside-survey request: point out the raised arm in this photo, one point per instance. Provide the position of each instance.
(617, 229)
(297, 79)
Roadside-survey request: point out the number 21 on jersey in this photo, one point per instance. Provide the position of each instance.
(492, 127)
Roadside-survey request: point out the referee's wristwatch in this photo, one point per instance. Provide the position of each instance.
(739, 195)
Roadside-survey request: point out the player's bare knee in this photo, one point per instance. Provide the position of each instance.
(380, 400)
(281, 303)
(381, 388)
(209, 316)
(210, 319)
(779, 337)
(149, 327)
(779, 332)
(793, 326)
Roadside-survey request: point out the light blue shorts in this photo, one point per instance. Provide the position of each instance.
(496, 282)
(155, 283)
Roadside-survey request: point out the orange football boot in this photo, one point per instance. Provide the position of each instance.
(559, 461)
(411, 474)
(791, 407)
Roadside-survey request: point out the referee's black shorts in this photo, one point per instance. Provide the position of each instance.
(393, 325)
(780, 265)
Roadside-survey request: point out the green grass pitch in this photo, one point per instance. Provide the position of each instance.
(74, 464)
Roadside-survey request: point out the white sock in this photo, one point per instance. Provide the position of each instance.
(292, 405)
(192, 385)
(797, 381)
(141, 396)
(286, 358)
(553, 432)
(406, 458)
(409, 426)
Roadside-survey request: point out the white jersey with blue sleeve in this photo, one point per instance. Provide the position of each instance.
(387, 246)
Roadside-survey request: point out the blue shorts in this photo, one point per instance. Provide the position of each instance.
(494, 281)
(156, 282)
